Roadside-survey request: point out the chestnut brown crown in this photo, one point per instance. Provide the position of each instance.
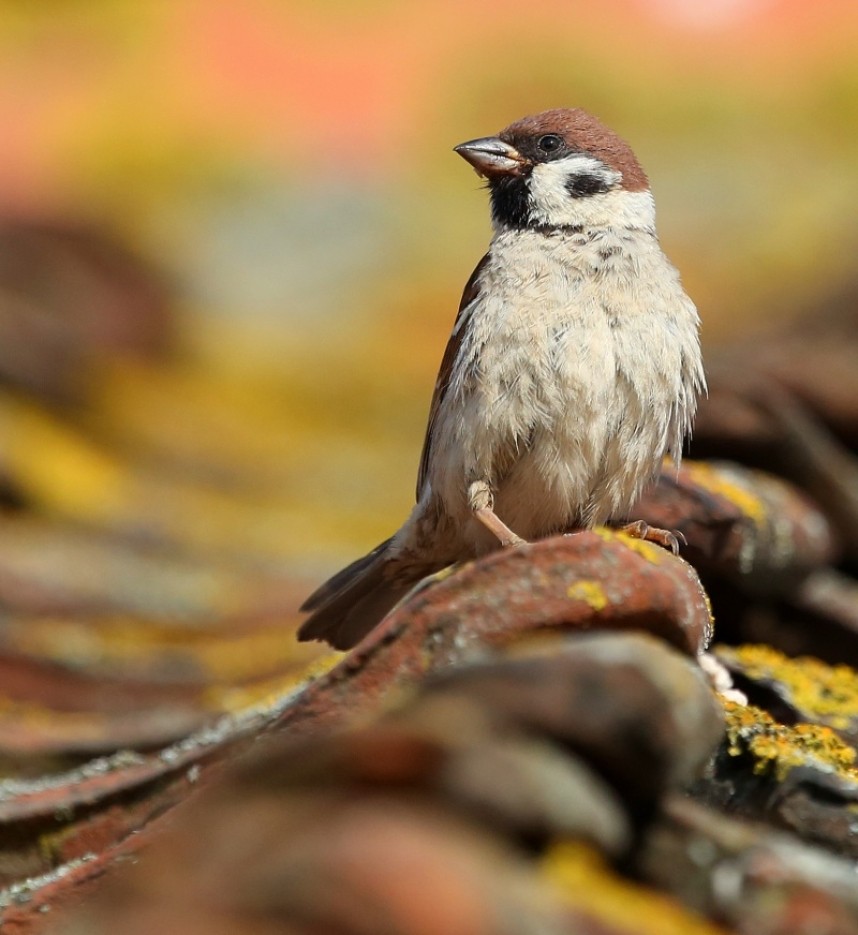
(578, 132)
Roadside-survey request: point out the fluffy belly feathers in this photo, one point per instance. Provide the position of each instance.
(568, 391)
(566, 445)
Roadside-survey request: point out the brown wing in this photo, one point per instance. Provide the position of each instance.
(472, 290)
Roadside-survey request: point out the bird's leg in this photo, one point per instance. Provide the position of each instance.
(663, 537)
(481, 501)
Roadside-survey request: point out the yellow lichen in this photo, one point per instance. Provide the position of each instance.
(776, 749)
(648, 550)
(586, 884)
(821, 693)
(237, 698)
(139, 644)
(717, 481)
(27, 725)
(590, 592)
(57, 465)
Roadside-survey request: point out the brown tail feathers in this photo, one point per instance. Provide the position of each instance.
(345, 608)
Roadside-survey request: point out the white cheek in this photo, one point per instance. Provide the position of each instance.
(547, 182)
(552, 205)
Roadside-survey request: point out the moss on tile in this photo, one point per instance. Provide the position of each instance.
(648, 550)
(821, 693)
(776, 749)
(590, 592)
(730, 486)
(586, 884)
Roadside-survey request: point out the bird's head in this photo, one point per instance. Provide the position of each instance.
(561, 169)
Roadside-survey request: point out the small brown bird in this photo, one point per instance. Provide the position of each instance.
(573, 367)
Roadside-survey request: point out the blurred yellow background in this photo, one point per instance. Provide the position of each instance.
(288, 167)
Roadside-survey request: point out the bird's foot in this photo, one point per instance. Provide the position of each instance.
(663, 537)
(481, 501)
(495, 525)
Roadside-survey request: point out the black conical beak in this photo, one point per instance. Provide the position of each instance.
(490, 156)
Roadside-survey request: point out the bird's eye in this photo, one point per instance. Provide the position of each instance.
(549, 143)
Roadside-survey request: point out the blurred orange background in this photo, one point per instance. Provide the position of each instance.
(289, 167)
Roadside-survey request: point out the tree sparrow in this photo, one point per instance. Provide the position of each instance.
(573, 367)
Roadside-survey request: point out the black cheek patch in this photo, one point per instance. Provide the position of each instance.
(581, 186)
(511, 201)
